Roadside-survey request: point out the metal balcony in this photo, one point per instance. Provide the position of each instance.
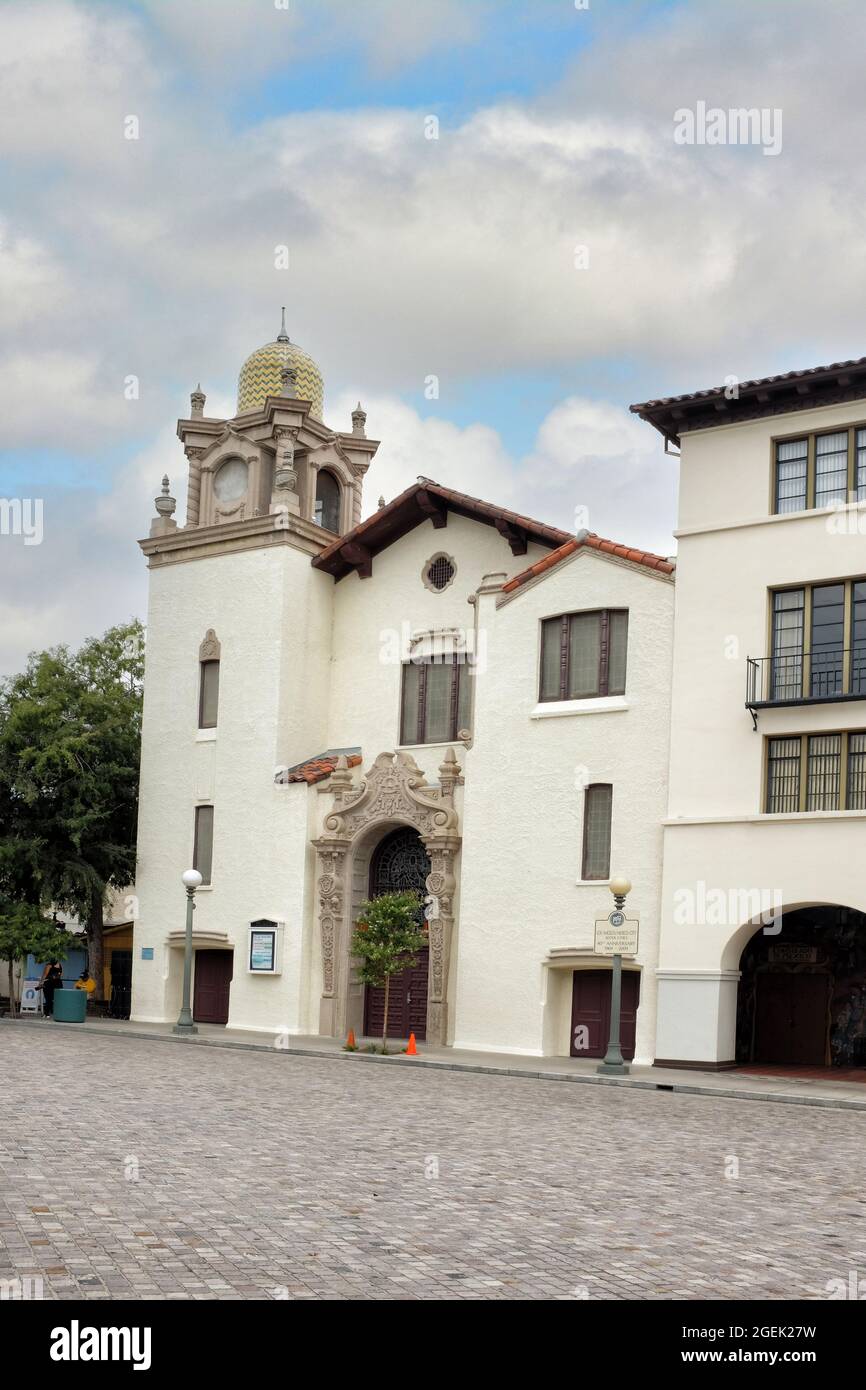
(805, 678)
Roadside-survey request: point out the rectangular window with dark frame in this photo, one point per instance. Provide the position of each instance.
(435, 701)
(584, 654)
(783, 775)
(202, 854)
(208, 694)
(860, 471)
(816, 772)
(823, 772)
(855, 799)
(792, 466)
(597, 808)
(831, 468)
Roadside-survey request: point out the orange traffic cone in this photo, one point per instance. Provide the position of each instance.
(411, 1050)
(350, 1041)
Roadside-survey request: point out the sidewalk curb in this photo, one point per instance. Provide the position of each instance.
(398, 1059)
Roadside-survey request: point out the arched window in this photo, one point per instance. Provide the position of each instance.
(327, 510)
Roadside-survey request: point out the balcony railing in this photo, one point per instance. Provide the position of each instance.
(806, 678)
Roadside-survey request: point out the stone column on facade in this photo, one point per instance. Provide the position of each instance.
(284, 496)
(193, 490)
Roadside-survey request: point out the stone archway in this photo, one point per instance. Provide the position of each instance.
(394, 792)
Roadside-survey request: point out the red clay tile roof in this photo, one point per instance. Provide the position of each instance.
(317, 769)
(425, 501)
(624, 552)
(762, 396)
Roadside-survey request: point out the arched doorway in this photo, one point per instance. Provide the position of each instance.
(400, 863)
(801, 999)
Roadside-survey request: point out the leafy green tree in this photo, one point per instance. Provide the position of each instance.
(386, 939)
(24, 929)
(70, 733)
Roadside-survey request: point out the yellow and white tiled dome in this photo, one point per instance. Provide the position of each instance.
(261, 375)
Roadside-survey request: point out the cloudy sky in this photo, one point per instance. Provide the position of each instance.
(552, 256)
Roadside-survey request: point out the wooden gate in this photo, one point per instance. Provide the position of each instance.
(399, 863)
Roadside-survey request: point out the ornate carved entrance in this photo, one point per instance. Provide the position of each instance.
(394, 793)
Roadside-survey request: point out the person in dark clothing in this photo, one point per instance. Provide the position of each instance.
(52, 979)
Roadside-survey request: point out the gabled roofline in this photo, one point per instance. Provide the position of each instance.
(426, 500)
(586, 541)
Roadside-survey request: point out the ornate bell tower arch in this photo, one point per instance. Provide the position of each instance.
(394, 792)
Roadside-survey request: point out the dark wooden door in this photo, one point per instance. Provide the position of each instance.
(590, 1012)
(400, 863)
(213, 977)
(791, 1018)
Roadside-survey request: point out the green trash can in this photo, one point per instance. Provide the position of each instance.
(70, 1005)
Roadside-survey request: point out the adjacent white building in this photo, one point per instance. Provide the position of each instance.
(763, 946)
(445, 695)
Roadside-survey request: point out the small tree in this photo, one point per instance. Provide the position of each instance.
(24, 930)
(387, 938)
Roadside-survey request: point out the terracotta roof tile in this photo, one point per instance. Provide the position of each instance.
(318, 768)
(624, 552)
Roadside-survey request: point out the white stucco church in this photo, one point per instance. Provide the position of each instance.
(434, 693)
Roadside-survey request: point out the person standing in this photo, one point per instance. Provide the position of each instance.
(52, 979)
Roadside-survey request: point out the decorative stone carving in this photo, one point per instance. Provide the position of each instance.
(193, 487)
(394, 791)
(196, 403)
(209, 647)
(165, 504)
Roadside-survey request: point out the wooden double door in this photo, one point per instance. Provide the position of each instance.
(590, 1012)
(400, 862)
(791, 1018)
(213, 978)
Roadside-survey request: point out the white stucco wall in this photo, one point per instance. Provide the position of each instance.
(732, 553)
(268, 608)
(521, 894)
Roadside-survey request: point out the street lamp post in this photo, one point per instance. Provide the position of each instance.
(614, 1064)
(191, 880)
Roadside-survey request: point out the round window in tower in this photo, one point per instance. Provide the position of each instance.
(230, 481)
(439, 572)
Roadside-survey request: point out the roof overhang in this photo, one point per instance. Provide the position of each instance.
(428, 501)
(768, 396)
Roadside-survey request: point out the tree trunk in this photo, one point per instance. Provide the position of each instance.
(11, 990)
(94, 945)
(385, 1022)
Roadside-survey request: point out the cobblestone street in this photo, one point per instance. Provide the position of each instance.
(131, 1169)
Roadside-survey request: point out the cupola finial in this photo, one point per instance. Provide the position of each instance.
(282, 336)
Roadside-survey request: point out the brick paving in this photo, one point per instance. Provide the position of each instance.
(141, 1170)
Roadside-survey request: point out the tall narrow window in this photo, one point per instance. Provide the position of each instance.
(855, 799)
(831, 469)
(327, 509)
(788, 626)
(828, 639)
(202, 854)
(597, 807)
(783, 775)
(584, 654)
(792, 465)
(208, 695)
(858, 638)
(823, 772)
(435, 701)
(860, 476)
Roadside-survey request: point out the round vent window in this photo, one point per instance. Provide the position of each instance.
(230, 482)
(439, 572)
